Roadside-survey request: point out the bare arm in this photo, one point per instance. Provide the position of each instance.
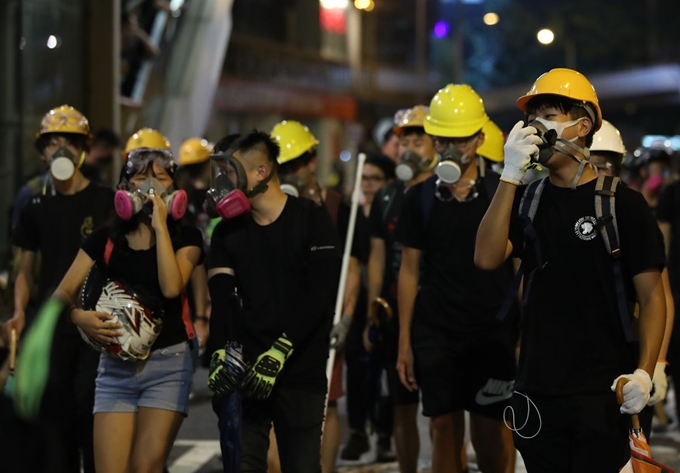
(22, 292)
(351, 296)
(493, 246)
(174, 269)
(199, 287)
(409, 276)
(665, 228)
(650, 294)
(670, 315)
(94, 324)
(376, 270)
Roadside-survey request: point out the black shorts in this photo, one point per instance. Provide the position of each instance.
(457, 372)
(582, 433)
(400, 395)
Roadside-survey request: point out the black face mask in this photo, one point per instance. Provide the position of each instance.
(547, 148)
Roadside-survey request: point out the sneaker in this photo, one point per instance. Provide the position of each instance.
(385, 453)
(356, 446)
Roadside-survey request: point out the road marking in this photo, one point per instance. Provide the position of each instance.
(200, 453)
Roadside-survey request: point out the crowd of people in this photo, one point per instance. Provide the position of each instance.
(517, 280)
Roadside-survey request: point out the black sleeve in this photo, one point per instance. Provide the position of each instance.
(190, 236)
(410, 230)
(26, 234)
(516, 234)
(640, 244)
(361, 245)
(95, 244)
(323, 274)
(375, 218)
(665, 208)
(219, 256)
(221, 287)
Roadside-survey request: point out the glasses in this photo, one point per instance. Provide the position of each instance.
(441, 144)
(372, 179)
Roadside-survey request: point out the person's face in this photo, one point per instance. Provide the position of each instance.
(57, 142)
(421, 144)
(391, 148)
(372, 179)
(151, 171)
(101, 154)
(465, 145)
(298, 172)
(578, 130)
(604, 167)
(255, 165)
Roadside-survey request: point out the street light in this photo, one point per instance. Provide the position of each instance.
(362, 4)
(491, 19)
(334, 4)
(545, 36)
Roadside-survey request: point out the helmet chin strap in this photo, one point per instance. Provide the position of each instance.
(570, 149)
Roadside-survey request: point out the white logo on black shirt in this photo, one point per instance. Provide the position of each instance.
(321, 248)
(586, 228)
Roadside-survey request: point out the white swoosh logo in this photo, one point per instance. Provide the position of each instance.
(484, 399)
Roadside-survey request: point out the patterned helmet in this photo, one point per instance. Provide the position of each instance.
(140, 316)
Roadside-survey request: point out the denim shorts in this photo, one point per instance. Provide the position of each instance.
(162, 381)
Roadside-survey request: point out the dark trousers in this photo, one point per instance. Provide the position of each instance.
(297, 417)
(579, 434)
(64, 428)
(363, 385)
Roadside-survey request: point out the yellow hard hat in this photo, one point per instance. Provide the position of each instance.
(64, 119)
(293, 138)
(569, 84)
(194, 151)
(492, 148)
(411, 117)
(147, 138)
(456, 111)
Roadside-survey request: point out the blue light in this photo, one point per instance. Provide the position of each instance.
(345, 156)
(441, 29)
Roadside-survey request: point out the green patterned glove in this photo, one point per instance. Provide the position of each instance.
(261, 376)
(226, 369)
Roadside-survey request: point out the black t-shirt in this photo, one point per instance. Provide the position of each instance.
(383, 220)
(270, 267)
(57, 225)
(572, 338)
(361, 239)
(668, 210)
(139, 269)
(454, 294)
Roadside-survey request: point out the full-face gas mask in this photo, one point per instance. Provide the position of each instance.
(411, 165)
(228, 196)
(63, 164)
(129, 202)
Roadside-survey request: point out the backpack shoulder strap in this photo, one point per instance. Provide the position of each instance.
(427, 198)
(108, 249)
(528, 206)
(605, 211)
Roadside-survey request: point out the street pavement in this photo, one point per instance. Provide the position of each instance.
(197, 448)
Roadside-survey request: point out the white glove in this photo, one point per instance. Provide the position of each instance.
(339, 332)
(635, 392)
(522, 143)
(660, 382)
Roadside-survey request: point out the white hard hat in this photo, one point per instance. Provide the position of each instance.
(608, 138)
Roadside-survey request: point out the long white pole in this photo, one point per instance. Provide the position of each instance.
(345, 263)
